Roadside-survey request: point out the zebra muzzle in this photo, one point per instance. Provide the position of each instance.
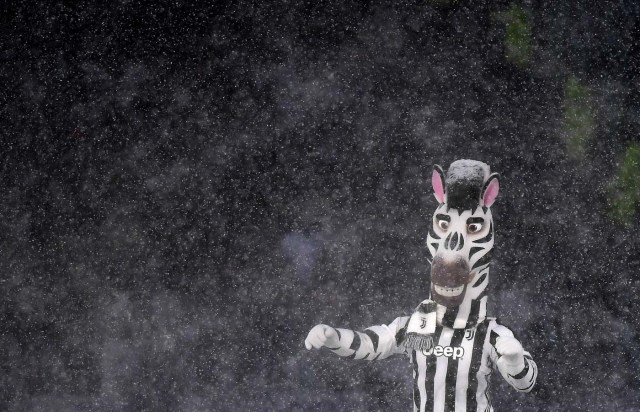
(449, 278)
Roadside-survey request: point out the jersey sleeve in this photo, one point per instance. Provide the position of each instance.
(375, 342)
(522, 380)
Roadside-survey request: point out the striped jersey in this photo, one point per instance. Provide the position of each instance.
(455, 374)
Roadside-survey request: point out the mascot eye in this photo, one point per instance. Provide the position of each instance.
(474, 227)
(443, 224)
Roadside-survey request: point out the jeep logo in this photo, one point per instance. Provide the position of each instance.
(448, 351)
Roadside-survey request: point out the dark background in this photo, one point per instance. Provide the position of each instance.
(187, 190)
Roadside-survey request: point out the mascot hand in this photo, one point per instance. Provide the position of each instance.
(322, 335)
(512, 354)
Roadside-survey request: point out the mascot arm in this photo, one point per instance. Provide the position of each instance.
(514, 363)
(375, 342)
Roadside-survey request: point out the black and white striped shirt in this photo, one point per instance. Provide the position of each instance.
(454, 379)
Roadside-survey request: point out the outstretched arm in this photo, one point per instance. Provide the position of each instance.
(376, 342)
(514, 363)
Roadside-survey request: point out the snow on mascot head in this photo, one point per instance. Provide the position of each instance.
(460, 241)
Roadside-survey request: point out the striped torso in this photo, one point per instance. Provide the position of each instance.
(444, 380)
(442, 383)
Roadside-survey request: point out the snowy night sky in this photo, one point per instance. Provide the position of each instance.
(186, 191)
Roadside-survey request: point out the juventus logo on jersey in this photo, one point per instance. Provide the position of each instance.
(470, 334)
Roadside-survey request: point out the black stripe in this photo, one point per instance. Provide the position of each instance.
(533, 375)
(483, 260)
(338, 333)
(432, 233)
(527, 388)
(435, 246)
(355, 344)
(488, 237)
(416, 389)
(476, 219)
(454, 242)
(377, 356)
(474, 250)
(431, 372)
(480, 280)
(494, 337)
(446, 241)
(523, 372)
(461, 245)
(452, 373)
(440, 216)
(476, 359)
(449, 317)
(400, 334)
(374, 338)
(474, 312)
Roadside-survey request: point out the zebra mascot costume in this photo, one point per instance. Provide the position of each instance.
(452, 345)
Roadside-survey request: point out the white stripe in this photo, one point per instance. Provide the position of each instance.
(476, 291)
(366, 346)
(462, 381)
(463, 312)
(482, 312)
(485, 371)
(439, 381)
(526, 381)
(486, 247)
(346, 338)
(422, 371)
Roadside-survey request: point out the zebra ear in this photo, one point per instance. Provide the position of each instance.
(490, 190)
(437, 182)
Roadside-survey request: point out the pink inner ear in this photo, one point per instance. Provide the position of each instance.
(438, 187)
(491, 193)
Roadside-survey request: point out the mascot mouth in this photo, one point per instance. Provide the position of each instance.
(449, 279)
(450, 297)
(448, 292)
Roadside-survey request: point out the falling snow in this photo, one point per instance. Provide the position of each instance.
(187, 191)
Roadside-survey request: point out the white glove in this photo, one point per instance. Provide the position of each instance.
(322, 335)
(512, 355)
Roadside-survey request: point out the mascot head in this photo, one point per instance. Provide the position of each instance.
(460, 239)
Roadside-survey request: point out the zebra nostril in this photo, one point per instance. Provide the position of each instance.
(454, 241)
